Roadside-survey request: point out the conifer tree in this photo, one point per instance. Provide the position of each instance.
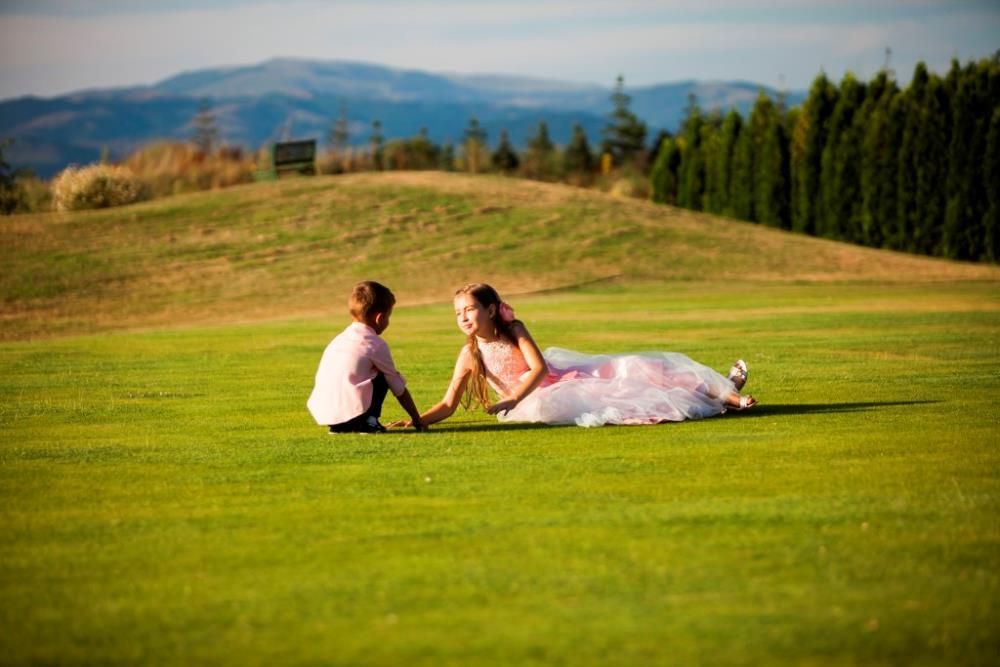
(377, 144)
(839, 185)
(206, 131)
(9, 190)
(663, 175)
(771, 164)
(474, 151)
(811, 132)
(991, 177)
(418, 152)
(741, 180)
(715, 163)
(908, 162)
(731, 129)
(691, 184)
(447, 157)
(539, 158)
(962, 235)
(339, 135)
(878, 161)
(424, 151)
(578, 161)
(790, 122)
(932, 165)
(888, 209)
(504, 157)
(625, 134)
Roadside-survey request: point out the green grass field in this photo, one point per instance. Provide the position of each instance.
(165, 498)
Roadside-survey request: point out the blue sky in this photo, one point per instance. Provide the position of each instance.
(48, 47)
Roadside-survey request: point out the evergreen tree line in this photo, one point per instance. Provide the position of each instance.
(577, 162)
(541, 158)
(914, 169)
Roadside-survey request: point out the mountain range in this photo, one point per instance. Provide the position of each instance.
(298, 99)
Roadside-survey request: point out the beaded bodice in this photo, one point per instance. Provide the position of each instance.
(504, 365)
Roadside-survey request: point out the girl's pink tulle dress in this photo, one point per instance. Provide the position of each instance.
(592, 390)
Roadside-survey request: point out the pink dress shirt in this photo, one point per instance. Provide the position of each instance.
(350, 362)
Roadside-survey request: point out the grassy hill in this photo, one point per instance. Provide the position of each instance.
(165, 497)
(293, 248)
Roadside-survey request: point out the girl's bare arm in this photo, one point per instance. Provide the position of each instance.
(453, 396)
(537, 370)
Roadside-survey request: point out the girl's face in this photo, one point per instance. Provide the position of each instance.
(473, 318)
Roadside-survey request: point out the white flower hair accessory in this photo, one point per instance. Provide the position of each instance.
(506, 312)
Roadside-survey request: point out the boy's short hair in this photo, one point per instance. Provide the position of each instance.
(368, 298)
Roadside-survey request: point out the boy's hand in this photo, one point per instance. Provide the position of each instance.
(406, 423)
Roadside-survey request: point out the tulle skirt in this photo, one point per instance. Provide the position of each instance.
(644, 388)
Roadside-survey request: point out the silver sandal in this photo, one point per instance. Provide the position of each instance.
(739, 374)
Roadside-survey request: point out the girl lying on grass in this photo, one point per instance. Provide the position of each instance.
(564, 387)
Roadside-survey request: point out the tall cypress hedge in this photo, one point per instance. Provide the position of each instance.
(914, 169)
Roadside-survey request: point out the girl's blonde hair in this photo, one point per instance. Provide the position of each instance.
(478, 389)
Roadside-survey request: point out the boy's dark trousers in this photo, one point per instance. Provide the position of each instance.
(360, 423)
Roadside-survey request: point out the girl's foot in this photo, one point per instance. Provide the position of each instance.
(737, 402)
(739, 374)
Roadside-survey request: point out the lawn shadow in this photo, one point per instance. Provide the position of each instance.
(481, 426)
(781, 410)
(763, 410)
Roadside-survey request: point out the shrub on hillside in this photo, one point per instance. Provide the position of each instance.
(95, 186)
(628, 182)
(173, 168)
(33, 194)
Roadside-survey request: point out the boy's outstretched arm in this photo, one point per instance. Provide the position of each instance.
(406, 401)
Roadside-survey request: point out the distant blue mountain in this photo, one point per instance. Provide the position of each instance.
(290, 98)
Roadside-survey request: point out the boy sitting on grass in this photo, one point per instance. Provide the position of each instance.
(357, 370)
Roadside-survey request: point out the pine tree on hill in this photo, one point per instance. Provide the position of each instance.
(907, 162)
(663, 175)
(877, 160)
(578, 161)
(339, 135)
(741, 182)
(716, 163)
(732, 126)
(540, 157)
(474, 151)
(206, 130)
(991, 177)
(625, 134)
(771, 188)
(963, 236)
(811, 132)
(504, 157)
(426, 154)
(839, 184)
(376, 143)
(691, 184)
(932, 165)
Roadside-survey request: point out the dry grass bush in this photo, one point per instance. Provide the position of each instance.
(95, 186)
(344, 162)
(34, 195)
(628, 182)
(172, 168)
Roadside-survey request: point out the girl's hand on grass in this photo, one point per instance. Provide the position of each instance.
(502, 406)
(400, 423)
